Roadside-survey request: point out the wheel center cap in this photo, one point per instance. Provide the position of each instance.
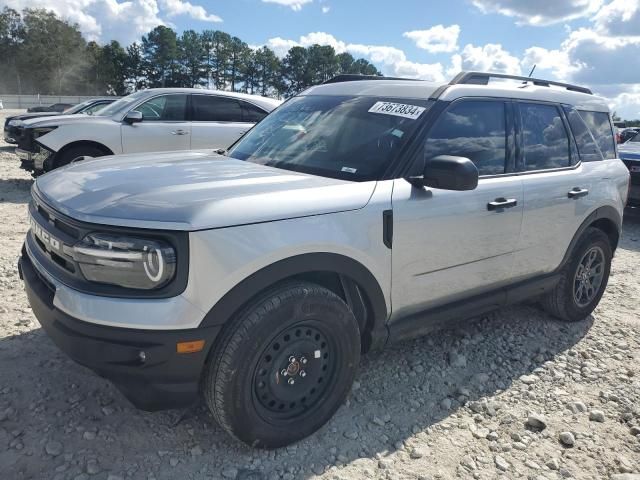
(293, 368)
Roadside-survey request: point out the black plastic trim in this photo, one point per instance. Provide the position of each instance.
(164, 379)
(240, 294)
(433, 319)
(387, 228)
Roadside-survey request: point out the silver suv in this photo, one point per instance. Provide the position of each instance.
(360, 212)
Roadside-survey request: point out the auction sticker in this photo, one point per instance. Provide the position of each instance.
(397, 109)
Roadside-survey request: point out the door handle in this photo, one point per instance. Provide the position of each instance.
(179, 132)
(501, 202)
(577, 192)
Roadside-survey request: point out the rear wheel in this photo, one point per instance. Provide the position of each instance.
(583, 279)
(284, 366)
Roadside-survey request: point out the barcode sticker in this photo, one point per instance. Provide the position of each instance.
(397, 109)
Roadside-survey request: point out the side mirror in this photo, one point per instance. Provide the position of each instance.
(132, 117)
(448, 173)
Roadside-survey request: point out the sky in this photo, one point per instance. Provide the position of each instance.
(590, 42)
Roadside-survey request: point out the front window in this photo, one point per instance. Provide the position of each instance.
(347, 137)
(165, 108)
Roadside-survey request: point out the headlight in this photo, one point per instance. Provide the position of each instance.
(125, 261)
(39, 132)
(15, 123)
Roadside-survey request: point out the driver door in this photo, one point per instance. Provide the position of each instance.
(449, 245)
(164, 126)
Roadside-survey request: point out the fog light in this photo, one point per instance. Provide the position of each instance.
(142, 356)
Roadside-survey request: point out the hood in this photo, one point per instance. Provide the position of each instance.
(30, 116)
(56, 120)
(191, 190)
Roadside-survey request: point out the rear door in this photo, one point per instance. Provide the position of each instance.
(558, 188)
(164, 126)
(448, 245)
(218, 121)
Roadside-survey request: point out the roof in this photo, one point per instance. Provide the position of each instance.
(266, 102)
(401, 88)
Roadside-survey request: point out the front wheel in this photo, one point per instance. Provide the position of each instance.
(583, 279)
(284, 366)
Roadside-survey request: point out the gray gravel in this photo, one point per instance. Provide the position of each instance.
(457, 404)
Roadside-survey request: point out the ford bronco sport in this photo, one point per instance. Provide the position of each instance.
(360, 212)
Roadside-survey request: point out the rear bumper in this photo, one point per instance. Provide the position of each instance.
(143, 364)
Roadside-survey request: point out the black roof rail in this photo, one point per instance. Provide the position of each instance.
(482, 78)
(352, 77)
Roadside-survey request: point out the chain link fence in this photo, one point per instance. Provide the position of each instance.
(27, 101)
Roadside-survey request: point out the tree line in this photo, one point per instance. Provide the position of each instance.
(41, 53)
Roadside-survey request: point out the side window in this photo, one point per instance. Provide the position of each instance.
(472, 129)
(251, 113)
(164, 108)
(210, 108)
(587, 148)
(600, 125)
(546, 144)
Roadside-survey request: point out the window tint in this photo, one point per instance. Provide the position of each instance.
(546, 144)
(600, 126)
(164, 108)
(472, 129)
(251, 113)
(209, 108)
(587, 148)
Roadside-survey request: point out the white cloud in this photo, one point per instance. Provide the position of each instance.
(295, 5)
(619, 18)
(554, 62)
(326, 9)
(436, 39)
(540, 12)
(391, 60)
(489, 58)
(127, 21)
(176, 7)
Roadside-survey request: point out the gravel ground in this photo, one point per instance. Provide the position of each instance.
(514, 395)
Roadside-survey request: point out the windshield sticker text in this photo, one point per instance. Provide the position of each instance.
(397, 109)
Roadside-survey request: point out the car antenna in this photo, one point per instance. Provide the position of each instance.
(525, 83)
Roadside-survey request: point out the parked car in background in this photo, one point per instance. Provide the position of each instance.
(1, 105)
(13, 125)
(56, 107)
(627, 134)
(629, 152)
(151, 120)
(357, 214)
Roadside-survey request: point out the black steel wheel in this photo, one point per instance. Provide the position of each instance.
(283, 366)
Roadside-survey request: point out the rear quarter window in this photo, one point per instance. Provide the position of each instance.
(587, 147)
(599, 124)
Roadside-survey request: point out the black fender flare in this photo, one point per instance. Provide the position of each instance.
(608, 213)
(281, 270)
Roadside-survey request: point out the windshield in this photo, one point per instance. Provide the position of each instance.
(347, 137)
(635, 138)
(78, 108)
(120, 105)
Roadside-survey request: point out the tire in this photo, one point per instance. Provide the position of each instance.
(73, 153)
(566, 301)
(297, 332)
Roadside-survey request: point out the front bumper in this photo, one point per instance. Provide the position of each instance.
(37, 161)
(143, 364)
(8, 136)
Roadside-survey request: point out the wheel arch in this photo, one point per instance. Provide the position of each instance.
(346, 277)
(607, 219)
(81, 143)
